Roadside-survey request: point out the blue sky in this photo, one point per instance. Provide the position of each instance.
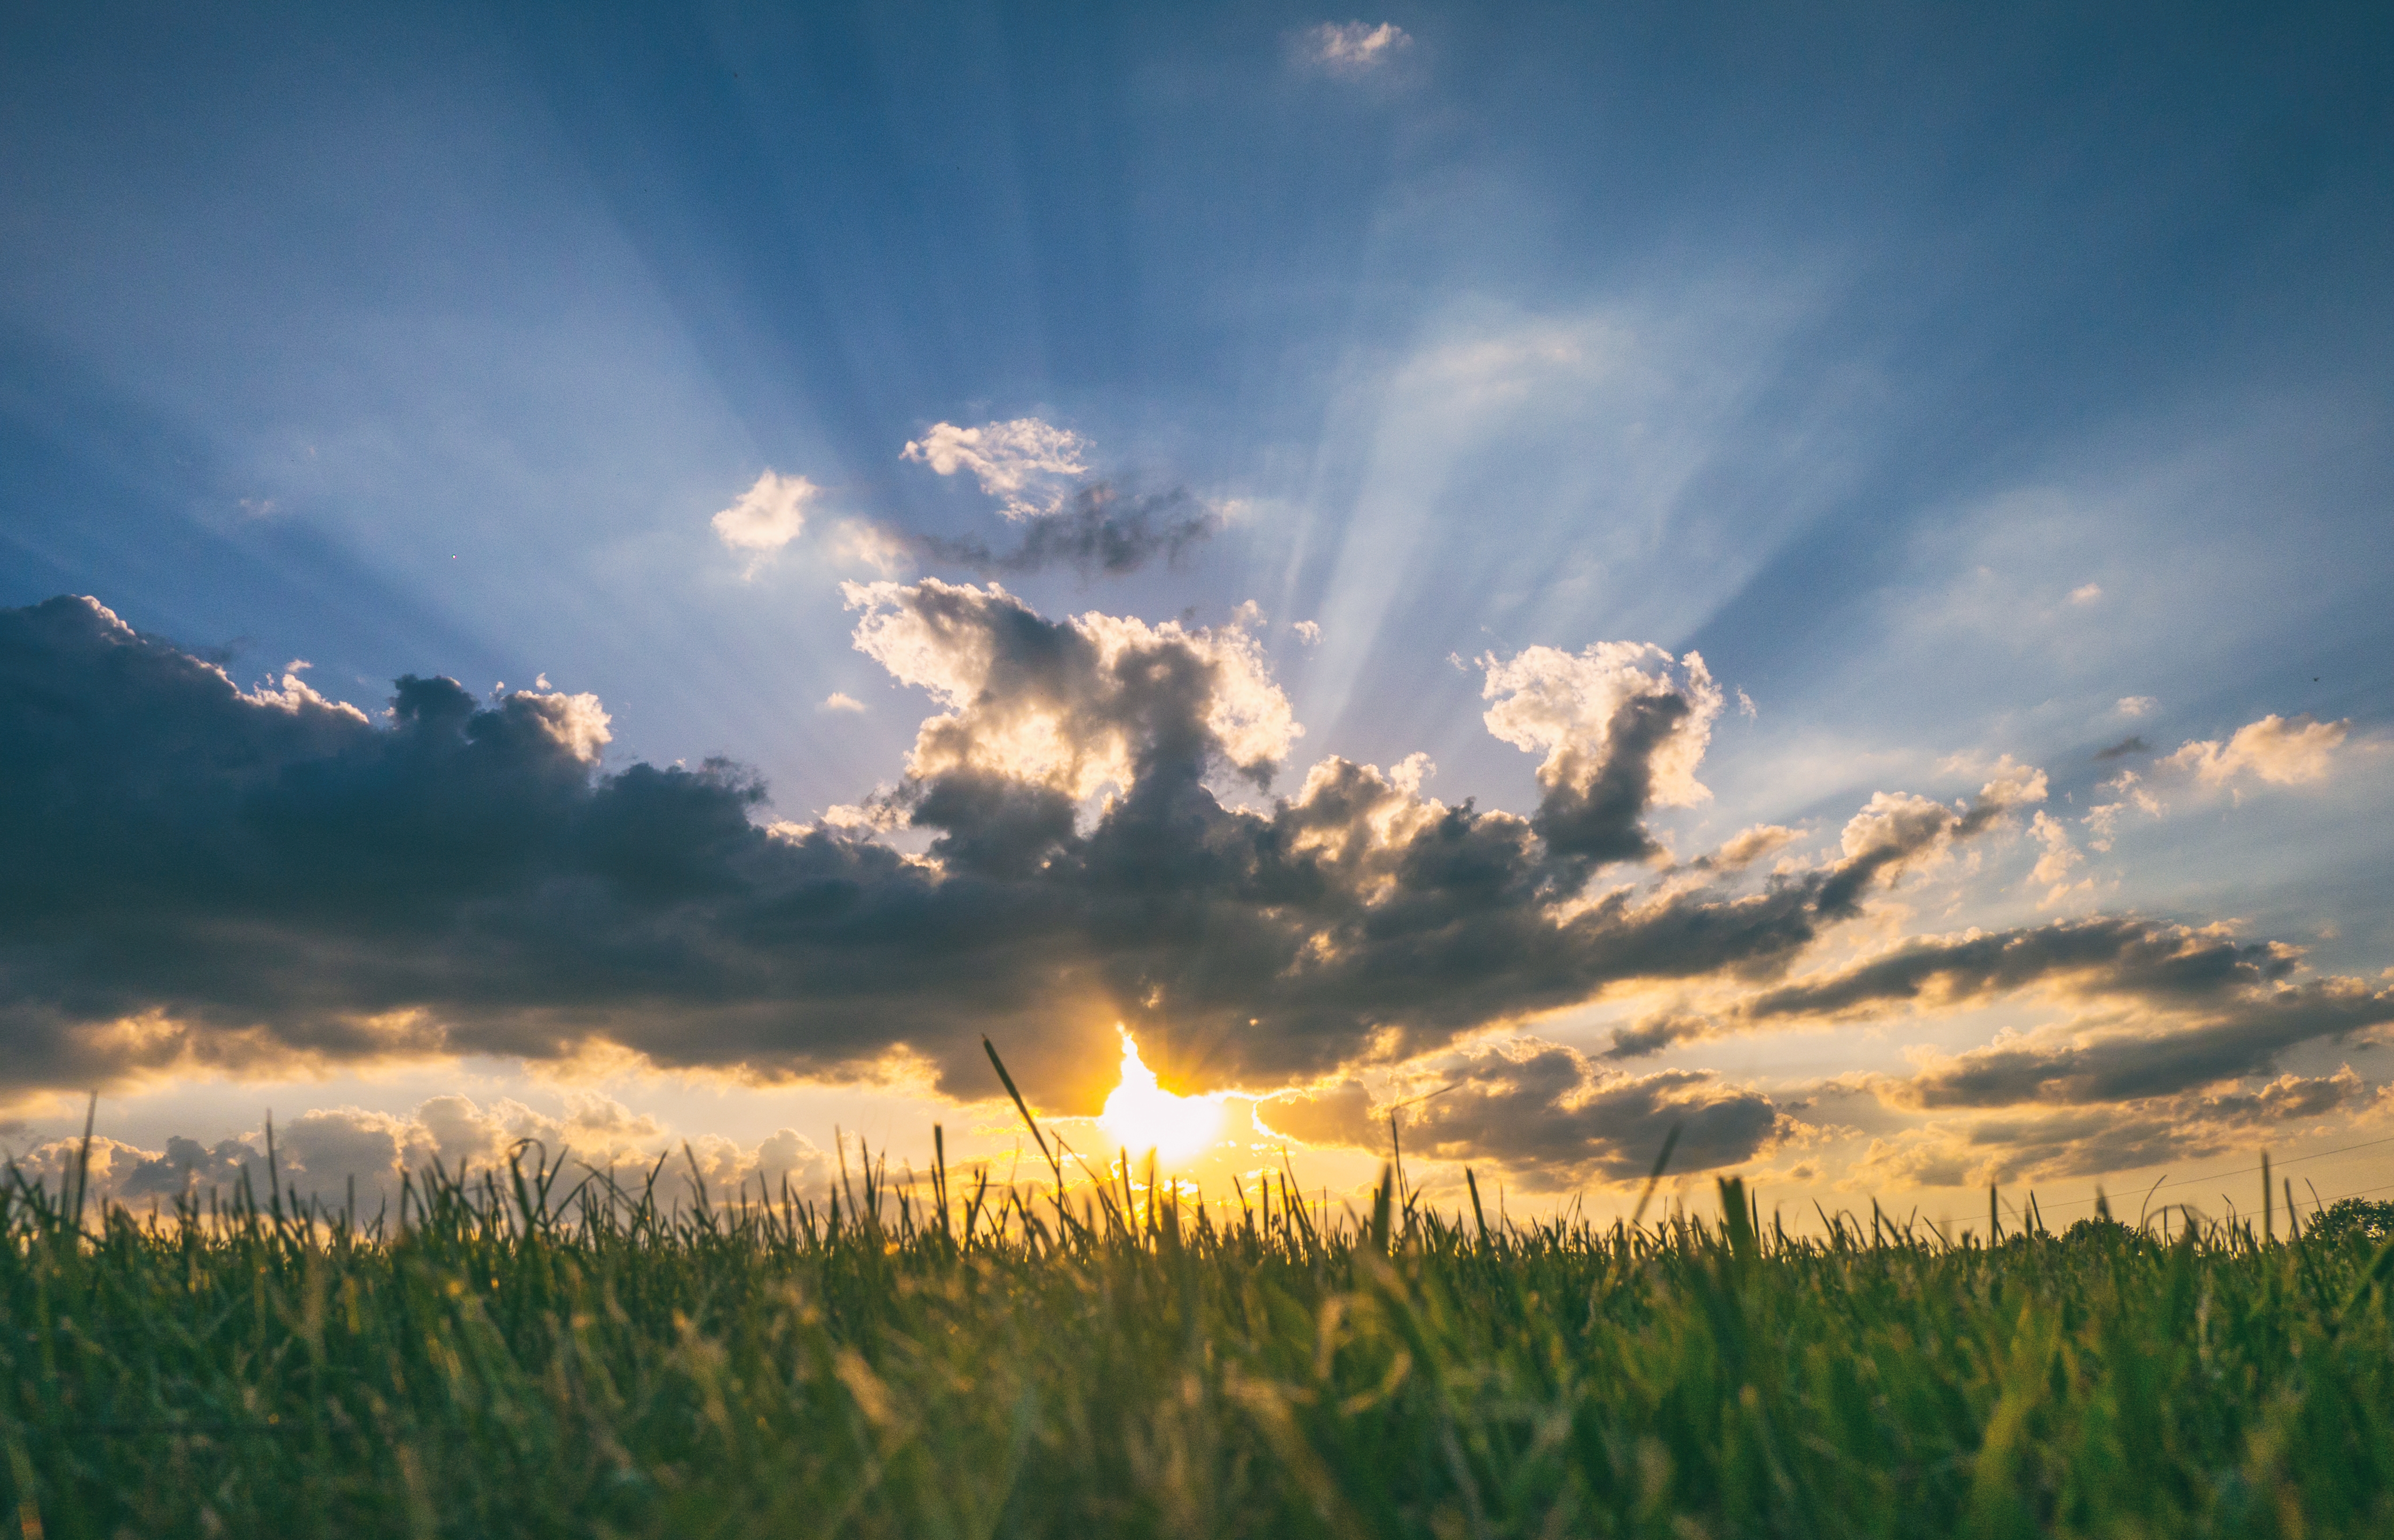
(1944, 380)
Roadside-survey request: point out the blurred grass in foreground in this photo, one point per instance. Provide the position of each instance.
(514, 1359)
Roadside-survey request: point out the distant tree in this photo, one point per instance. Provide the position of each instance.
(2369, 1219)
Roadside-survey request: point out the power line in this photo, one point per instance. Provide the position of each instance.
(2247, 1171)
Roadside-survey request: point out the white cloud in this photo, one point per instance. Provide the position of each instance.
(2282, 752)
(1354, 47)
(2087, 592)
(1307, 632)
(2136, 706)
(841, 701)
(768, 515)
(1074, 731)
(578, 722)
(862, 543)
(1009, 459)
(2053, 866)
(1567, 705)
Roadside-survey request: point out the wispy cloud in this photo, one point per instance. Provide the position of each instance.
(1014, 461)
(1096, 530)
(1354, 47)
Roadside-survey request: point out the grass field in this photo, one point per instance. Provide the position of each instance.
(933, 1363)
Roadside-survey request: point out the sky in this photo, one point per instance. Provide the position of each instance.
(644, 578)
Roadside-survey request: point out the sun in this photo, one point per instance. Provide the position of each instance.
(1141, 1115)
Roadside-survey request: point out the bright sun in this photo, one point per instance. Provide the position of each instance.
(1141, 1115)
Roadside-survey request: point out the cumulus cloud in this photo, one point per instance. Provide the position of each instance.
(2087, 592)
(841, 701)
(1354, 47)
(1896, 832)
(1622, 727)
(2281, 751)
(767, 517)
(1096, 530)
(2136, 706)
(1013, 461)
(202, 876)
(268, 878)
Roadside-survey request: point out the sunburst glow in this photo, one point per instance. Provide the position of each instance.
(1142, 1116)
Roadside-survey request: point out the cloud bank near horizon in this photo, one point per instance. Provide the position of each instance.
(208, 876)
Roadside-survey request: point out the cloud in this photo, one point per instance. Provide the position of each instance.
(2061, 857)
(271, 880)
(1896, 832)
(1622, 726)
(2137, 705)
(329, 1152)
(2133, 744)
(862, 543)
(2090, 1141)
(768, 515)
(840, 701)
(1651, 1034)
(1309, 632)
(1340, 1113)
(2104, 954)
(1546, 1112)
(1009, 459)
(1748, 845)
(2282, 752)
(2087, 592)
(1096, 530)
(2241, 1039)
(1354, 47)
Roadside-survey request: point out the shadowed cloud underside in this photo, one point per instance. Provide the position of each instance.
(209, 876)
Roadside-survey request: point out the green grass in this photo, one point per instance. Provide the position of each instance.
(510, 1363)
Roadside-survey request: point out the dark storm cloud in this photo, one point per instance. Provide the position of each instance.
(202, 874)
(1097, 530)
(2125, 747)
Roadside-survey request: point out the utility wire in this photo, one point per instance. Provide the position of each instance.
(2247, 1171)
